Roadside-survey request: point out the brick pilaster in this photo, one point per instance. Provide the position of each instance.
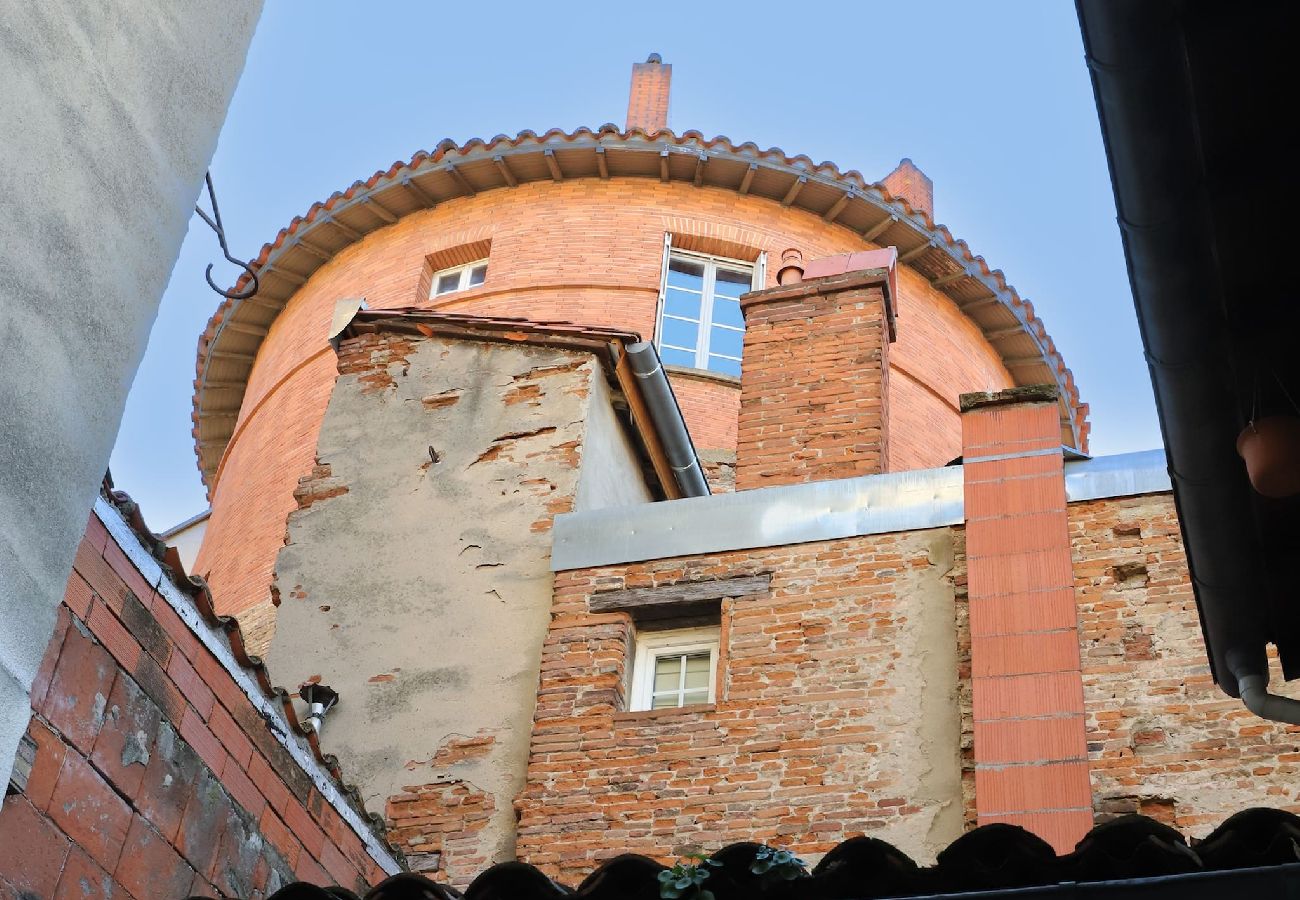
(1031, 764)
(813, 388)
(647, 103)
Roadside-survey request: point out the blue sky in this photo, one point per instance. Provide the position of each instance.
(991, 99)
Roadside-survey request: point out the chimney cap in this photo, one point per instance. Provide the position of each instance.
(654, 58)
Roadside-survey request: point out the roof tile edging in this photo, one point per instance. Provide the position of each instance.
(121, 517)
(993, 279)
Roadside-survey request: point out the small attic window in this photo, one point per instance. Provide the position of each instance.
(675, 668)
(459, 278)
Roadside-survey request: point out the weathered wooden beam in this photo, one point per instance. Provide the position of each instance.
(243, 328)
(224, 385)
(286, 275)
(601, 165)
(748, 179)
(999, 334)
(420, 193)
(351, 232)
(795, 188)
(834, 212)
(981, 303)
(504, 169)
(553, 164)
(318, 252)
(461, 181)
(700, 162)
(916, 251)
(668, 597)
(879, 228)
(231, 354)
(274, 304)
(379, 209)
(654, 448)
(943, 280)
(1022, 362)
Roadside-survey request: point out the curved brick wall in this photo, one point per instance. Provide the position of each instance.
(586, 251)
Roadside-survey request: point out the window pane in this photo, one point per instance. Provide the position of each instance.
(448, 283)
(727, 312)
(697, 672)
(680, 303)
(665, 701)
(477, 275)
(679, 333)
(725, 366)
(668, 673)
(701, 696)
(686, 273)
(673, 357)
(726, 342)
(732, 284)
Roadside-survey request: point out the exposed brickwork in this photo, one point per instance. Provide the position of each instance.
(814, 388)
(913, 185)
(1030, 757)
(647, 104)
(150, 778)
(581, 250)
(1162, 739)
(821, 728)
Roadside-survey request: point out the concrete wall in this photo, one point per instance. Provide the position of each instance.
(836, 711)
(421, 589)
(611, 474)
(110, 117)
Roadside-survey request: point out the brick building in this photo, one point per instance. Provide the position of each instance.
(824, 556)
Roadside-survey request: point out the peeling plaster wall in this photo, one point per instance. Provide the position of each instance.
(611, 475)
(421, 590)
(836, 714)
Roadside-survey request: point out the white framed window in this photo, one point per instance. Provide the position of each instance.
(700, 324)
(458, 278)
(674, 668)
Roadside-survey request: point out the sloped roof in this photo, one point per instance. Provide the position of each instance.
(228, 346)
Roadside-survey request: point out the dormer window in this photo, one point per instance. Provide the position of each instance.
(459, 278)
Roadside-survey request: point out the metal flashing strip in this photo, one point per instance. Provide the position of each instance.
(184, 607)
(819, 511)
(766, 517)
(1121, 475)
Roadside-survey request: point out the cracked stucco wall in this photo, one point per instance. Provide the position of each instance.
(109, 119)
(415, 579)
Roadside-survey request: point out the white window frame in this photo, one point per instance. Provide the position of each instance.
(650, 646)
(463, 270)
(758, 275)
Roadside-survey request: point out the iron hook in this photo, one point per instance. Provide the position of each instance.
(214, 222)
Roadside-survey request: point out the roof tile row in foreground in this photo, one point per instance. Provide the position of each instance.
(1150, 858)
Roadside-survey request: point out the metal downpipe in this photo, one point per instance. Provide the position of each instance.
(644, 361)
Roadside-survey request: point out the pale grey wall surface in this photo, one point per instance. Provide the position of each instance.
(109, 115)
(421, 590)
(611, 474)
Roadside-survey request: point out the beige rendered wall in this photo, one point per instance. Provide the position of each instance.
(586, 251)
(109, 117)
(421, 590)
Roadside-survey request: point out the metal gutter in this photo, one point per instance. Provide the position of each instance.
(819, 511)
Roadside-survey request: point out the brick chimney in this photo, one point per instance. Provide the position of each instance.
(913, 185)
(647, 104)
(1031, 755)
(814, 382)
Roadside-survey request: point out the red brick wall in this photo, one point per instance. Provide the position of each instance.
(154, 775)
(832, 716)
(582, 250)
(1162, 739)
(913, 185)
(814, 390)
(647, 102)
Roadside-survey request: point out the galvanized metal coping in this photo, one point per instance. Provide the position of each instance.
(819, 511)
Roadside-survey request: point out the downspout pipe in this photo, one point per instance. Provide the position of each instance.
(666, 415)
(1252, 683)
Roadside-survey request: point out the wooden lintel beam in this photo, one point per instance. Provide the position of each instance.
(243, 328)
(420, 193)
(700, 162)
(879, 228)
(663, 164)
(748, 179)
(461, 181)
(600, 162)
(834, 212)
(795, 188)
(379, 209)
(352, 233)
(676, 595)
(504, 169)
(552, 164)
(949, 279)
(916, 251)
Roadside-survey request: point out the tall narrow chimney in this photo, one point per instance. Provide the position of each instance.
(913, 185)
(647, 105)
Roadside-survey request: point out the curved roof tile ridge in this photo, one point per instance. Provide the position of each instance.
(939, 237)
